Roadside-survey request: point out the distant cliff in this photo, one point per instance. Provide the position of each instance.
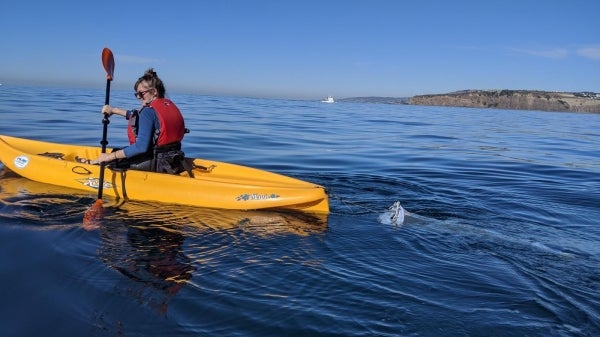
(515, 99)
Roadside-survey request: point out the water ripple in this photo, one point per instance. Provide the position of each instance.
(500, 235)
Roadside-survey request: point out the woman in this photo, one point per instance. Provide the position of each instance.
(155, 131)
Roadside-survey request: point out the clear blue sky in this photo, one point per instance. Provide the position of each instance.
(306, 48)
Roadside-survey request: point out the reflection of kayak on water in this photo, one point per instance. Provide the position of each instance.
(214, 184)
(259, 222)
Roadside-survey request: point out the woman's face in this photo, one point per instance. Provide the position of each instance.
(145, 94)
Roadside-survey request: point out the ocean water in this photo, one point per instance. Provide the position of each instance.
(501, 235)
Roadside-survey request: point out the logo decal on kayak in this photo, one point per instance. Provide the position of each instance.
(256, 196)
(21, 161)
(94, 183)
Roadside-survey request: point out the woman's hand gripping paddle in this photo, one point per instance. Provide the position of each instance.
(94, 213)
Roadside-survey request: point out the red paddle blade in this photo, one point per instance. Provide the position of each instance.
(108, 61)
(93, 216)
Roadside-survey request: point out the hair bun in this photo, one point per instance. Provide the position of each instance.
(150, 72)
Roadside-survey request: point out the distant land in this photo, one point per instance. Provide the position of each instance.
(499, 99)
(375, 99)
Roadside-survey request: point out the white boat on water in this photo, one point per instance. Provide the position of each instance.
(328, 100)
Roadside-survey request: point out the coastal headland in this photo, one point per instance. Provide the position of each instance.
(501, 99)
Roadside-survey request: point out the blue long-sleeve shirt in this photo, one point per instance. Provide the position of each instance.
(148, 124)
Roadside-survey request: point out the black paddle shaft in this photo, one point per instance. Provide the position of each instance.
(105, 120)
(104, 142)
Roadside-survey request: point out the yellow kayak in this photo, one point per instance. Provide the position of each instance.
(215, 184)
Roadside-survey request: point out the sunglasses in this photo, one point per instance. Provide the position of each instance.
(141, 94)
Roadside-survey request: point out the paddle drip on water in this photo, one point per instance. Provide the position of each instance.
(92, 217)
(394, 215)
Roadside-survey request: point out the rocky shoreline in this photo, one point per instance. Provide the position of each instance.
(515, 99)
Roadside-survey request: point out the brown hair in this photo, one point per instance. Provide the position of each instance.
(152, 81)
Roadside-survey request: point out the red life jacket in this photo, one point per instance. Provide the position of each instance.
(169, 132)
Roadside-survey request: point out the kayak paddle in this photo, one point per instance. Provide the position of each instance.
(95, 212)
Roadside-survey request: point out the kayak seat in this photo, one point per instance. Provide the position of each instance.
(170, 159)
(164, 159)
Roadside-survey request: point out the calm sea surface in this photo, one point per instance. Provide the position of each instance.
(502, 236)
